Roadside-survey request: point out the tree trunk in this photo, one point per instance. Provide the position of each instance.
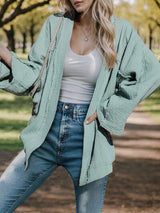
(24, 41)
(10, 36)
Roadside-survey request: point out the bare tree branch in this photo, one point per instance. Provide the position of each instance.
(18, 11)
(157, 3)
(34, 6)
(155, 21)
(20, 4)
(5, 7)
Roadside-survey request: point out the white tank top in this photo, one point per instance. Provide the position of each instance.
(80, 74)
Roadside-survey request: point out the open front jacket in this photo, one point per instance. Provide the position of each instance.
(135, 76)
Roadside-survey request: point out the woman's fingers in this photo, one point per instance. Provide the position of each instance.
(91, 118)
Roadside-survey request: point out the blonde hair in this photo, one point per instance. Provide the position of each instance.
(103, 28)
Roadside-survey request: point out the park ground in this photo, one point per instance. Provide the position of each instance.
(133, 187)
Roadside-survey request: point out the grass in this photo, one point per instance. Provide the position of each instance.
(15, 112)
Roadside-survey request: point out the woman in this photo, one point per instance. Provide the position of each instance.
(60, 141)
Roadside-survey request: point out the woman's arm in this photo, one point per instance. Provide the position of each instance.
(138, 77)
(16, 75)
(5, 54)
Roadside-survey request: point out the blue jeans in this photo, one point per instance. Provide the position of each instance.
(63, 146)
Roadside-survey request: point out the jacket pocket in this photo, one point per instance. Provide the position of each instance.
(127, 85)
(105, 132)
(103, 150)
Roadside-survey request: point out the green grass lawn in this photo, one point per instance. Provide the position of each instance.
(15, 112)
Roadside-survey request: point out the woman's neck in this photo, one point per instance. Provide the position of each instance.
(83, 19)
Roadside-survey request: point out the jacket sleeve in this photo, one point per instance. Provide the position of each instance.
(23, 73)
(137, 78)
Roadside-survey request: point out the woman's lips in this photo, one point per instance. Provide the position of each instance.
(77, 3)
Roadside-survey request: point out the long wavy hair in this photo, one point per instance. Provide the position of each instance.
(102, 26)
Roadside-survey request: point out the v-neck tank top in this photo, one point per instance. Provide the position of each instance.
(80, 73)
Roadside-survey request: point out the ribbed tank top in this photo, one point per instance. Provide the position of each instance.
(80, 74)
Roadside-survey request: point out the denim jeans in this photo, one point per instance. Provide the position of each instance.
(63, 146)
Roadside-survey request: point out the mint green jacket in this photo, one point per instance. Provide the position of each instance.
(135, 76)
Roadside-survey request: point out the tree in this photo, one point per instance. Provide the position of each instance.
(15, 9)
(30, 24)
(10, 10)
(157, 21)
(144, 15)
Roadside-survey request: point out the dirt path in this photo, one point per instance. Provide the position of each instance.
(134, 187)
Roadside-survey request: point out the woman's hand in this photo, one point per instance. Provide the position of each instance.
(91, 118)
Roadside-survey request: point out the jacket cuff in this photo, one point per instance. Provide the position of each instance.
(10, 78)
